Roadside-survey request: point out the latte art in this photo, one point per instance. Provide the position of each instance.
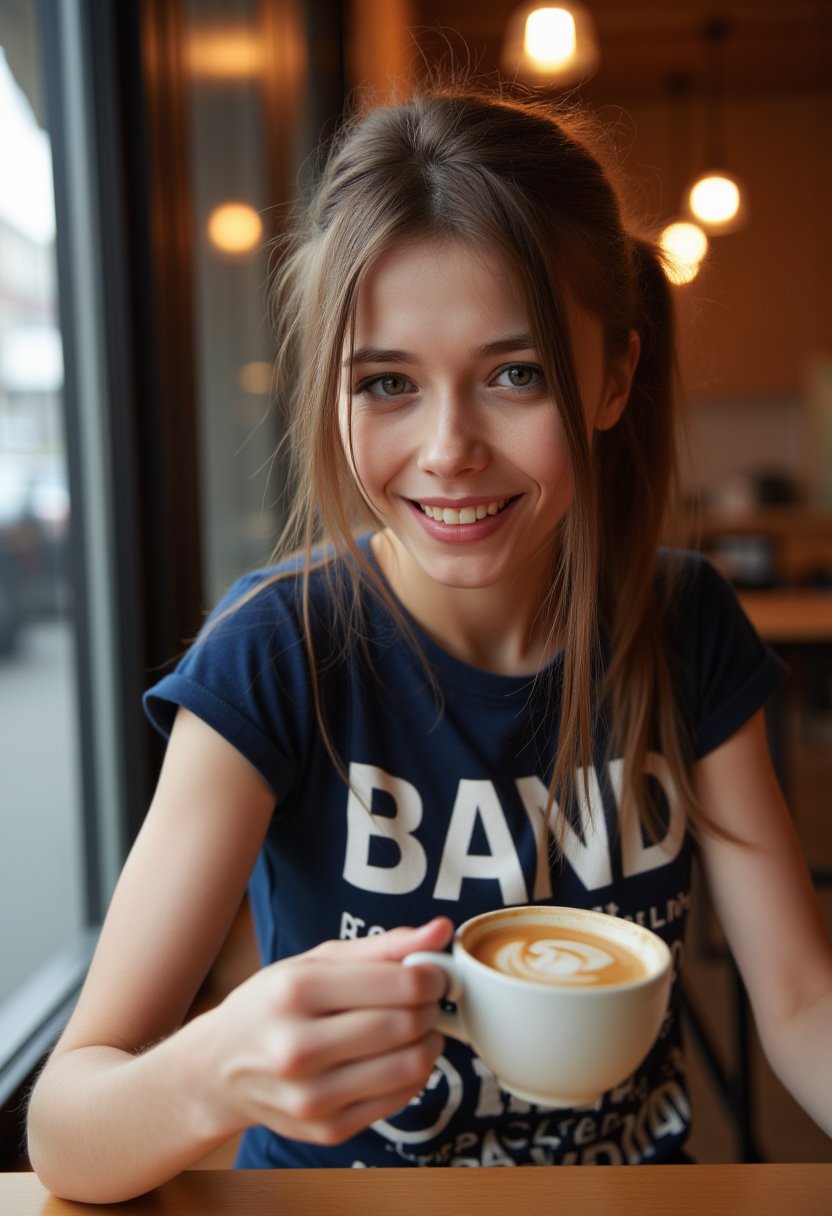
(564, 961)
(563, 956)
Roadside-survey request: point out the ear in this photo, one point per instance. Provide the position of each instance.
(618, 385)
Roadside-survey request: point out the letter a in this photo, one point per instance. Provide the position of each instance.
(479, 800)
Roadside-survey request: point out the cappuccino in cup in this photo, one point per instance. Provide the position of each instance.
(562, 1004)
(544, 954)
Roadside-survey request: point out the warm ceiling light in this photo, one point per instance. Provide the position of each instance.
(684, 246)
(550, 44)
(717, 200)
(549, 37)
(235, 228)
(224, 54)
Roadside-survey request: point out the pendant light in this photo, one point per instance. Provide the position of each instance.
(716, 199)
(684, 245)
(551, 44)
(683, 242)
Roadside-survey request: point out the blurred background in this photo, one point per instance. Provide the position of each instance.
(149, 153)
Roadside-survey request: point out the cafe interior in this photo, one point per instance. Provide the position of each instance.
(163, 143)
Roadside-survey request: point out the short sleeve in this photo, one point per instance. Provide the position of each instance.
(727, 671)
(246, 677)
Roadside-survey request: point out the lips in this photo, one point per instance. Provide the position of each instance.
(467, 514)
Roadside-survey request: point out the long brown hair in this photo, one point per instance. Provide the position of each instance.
(524, 181)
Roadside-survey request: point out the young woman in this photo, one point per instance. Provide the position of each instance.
(479, 681)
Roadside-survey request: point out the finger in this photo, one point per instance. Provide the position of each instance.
(360, 1115)
(314, 988)
(392, 946)
(379, 1079)
(308, 1049)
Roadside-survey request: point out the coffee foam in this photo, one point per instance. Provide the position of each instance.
(562, 956)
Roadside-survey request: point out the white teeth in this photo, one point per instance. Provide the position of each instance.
(465, 515)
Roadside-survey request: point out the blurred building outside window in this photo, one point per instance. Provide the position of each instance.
(42, 878)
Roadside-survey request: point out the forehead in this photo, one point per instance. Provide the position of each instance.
(415, 279)
(438, 292)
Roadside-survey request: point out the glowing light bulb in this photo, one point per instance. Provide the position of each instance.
(552, 45)
(550, 36)
(235, 228)
(715, 199)
(224, 54)
(684, 246)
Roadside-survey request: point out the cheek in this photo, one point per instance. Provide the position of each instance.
(547, 454)
(375, 456)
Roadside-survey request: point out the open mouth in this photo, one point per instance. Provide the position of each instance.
(464, 515)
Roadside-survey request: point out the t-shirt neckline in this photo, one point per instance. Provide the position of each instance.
(455, 671)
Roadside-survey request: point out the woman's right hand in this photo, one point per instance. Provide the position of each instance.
(316, 1047)
(319, 1046)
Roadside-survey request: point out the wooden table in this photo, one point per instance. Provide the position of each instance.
(715, 1190)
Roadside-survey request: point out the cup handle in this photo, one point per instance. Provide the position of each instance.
(448, 1020)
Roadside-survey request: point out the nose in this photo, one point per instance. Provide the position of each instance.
(453, 442)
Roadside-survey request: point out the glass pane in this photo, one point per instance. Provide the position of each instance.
(224, 54)
(41, 854)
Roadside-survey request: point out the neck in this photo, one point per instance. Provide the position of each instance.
(498, 628)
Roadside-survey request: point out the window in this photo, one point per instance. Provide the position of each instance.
(133, 363)
(61, 766)
(41, 892)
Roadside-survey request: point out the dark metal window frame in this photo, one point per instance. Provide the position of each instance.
(117, 129)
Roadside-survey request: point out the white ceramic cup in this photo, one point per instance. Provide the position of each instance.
(550, 1043)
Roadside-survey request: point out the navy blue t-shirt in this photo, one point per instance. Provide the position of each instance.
(444, 814)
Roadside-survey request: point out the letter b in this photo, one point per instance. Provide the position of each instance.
(363, 826)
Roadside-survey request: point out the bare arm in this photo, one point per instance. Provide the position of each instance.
(764, 898)
(130, 1097)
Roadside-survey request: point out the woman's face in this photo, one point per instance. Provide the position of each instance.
(454, 438)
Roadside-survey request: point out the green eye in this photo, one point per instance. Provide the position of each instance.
(519, 375)
(392, 385)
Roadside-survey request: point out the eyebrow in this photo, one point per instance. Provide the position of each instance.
(505, 346)
(502, 346)
(373, 354)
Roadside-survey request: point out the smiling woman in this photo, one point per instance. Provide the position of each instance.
(413, 717)
(462, 457)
